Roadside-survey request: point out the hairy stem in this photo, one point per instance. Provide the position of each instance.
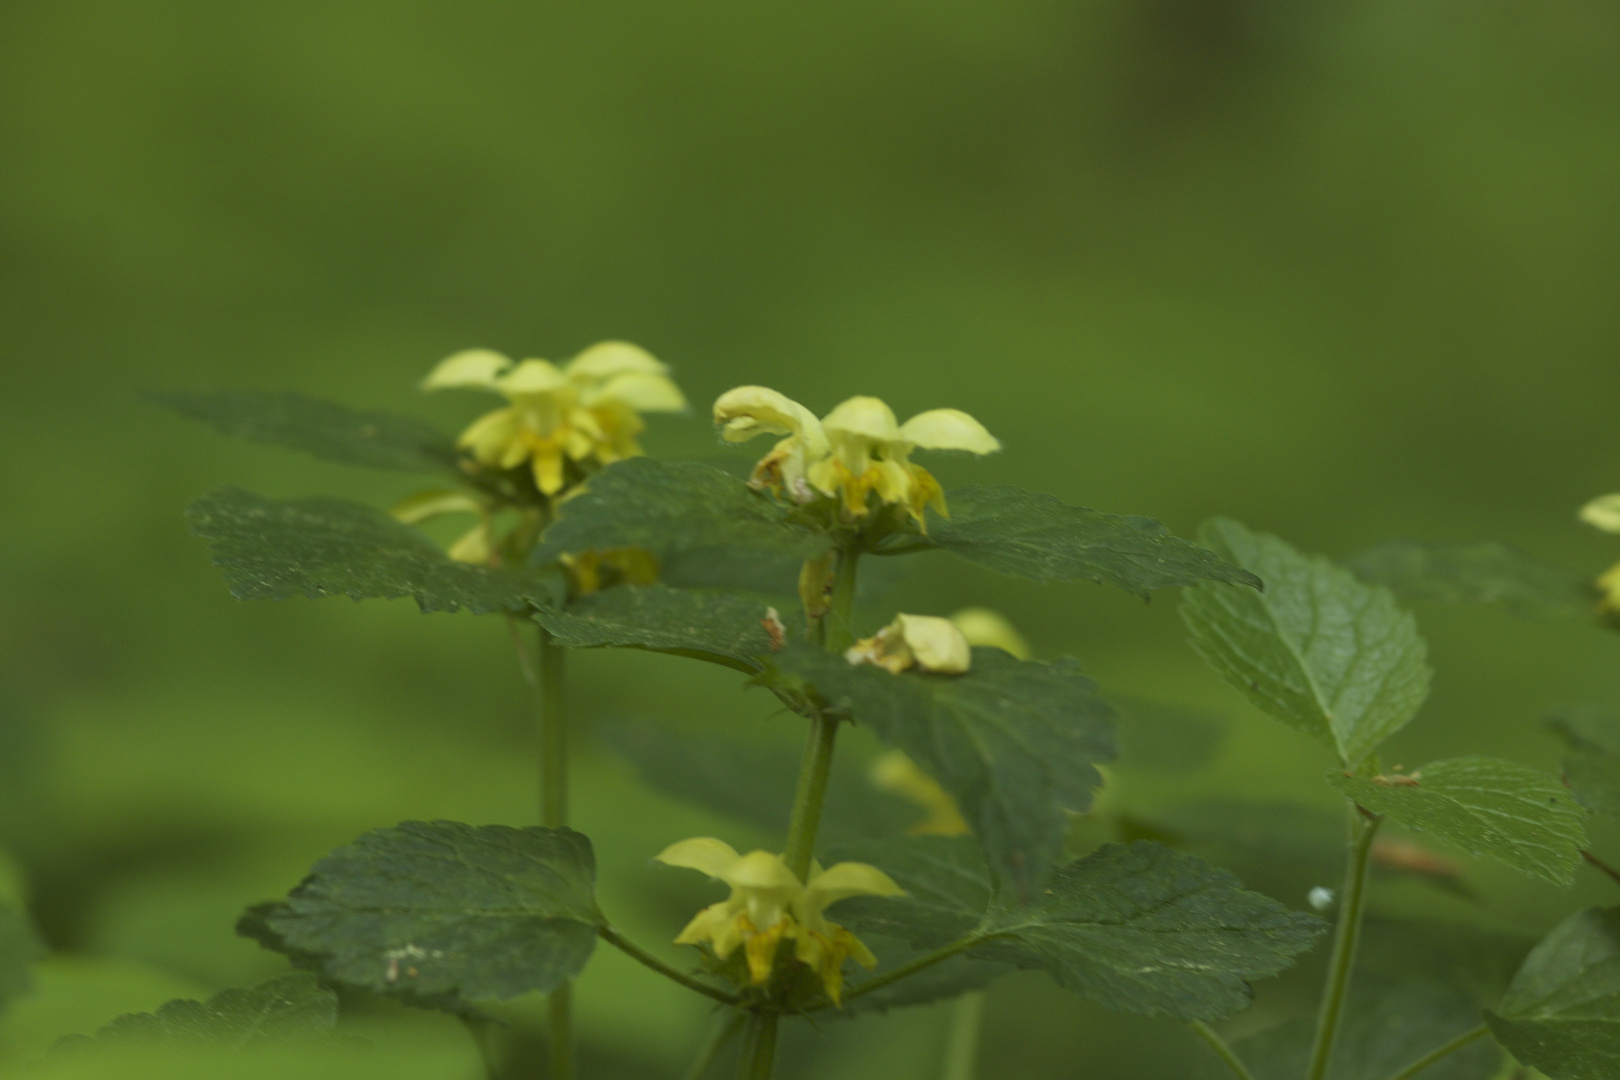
(1222, 1051)
(548, 680)
(1441, 1051)
(759, 1053)
(642, 956)
(724, 1031)
(962, 1041)
(1352, 903)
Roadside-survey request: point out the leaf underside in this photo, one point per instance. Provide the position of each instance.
(1030, 535)
(1487, 572)
(1562, 1012)
(277, 549)
(1485, 806)
(291, 1007)
(1318, 650)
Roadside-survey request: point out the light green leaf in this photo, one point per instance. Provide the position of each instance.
(673, 506)
(1318, 650)
(276, 549)
(19, 948)
(1485, 806)
(327, 430)
(440, 913)
(291, 1007)
(1031, 535)
(713, 625)
(1562, 1012)
(1484, 573)
(1141, 929)
(1014, 741)
(1592, 767)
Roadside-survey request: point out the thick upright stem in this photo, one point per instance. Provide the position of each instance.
(759, 1053)
(839, 634)
(1352, 902)
(550, 689)
(962, 1041)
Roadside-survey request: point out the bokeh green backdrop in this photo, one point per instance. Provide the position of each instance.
(1342, 270)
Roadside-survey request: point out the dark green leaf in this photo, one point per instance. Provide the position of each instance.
(438, 912)
(19, 948)
(1014, 741)
(1486, 807)
(1318, 650)
(276, 549)
(1030, 535)
(663, 619)
(1562, 1012)
(291, 1007)
(1142, 929)
(1484, 573)
(673, 506)
(327, 430)
(1592, 767)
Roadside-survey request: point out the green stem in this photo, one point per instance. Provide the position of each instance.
(1352, 902)
(550, 703)
(944, 952)
(636, 952)
(1614, 875)
(962, 1041)
(1222, 1051)
(478, 1028)
(724, 1031)
(1441, 1051)
(759, 1055)
(559, 1016)
(839, 635)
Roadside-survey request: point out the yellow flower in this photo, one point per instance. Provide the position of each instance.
(1603, 512)
(588, 409)
(981, 626)
(768, 905)
(476, 545)
(854, 451)
(926, 642)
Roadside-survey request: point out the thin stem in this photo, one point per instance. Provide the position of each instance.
(559, 1018)
(944, 952)
(551, 689)
(1441, 1051)
(636, 952)
(1222, 1051)
(724, 1031)
(810, 794)
(962, 1041)
(1353, 899)
(759, 1055)
(1601, 865)
(839, 634)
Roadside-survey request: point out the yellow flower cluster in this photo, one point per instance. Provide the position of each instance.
(769, 904)
(856, 450)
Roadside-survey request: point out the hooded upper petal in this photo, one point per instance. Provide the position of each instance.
(606, 359)
(981, 626)
(746, 411)
(641, 391)
(1603, 512)
(702, 853)
(846, 879)
(865, 417)
(470, 367)
(532, 377)
(948, 429)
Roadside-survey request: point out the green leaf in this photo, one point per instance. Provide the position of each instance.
(940, 982)
(1484, 573)
(1318, 650)
(1014, 741)
(1030, 535)
(327, 430)
(1485, 806)
(1141, 929)
(656, 617)
(673, 506)
(1592, 767)
(19, 948)
(1562, 1011)
(291, 1007)
(276, 549)
(440, 912)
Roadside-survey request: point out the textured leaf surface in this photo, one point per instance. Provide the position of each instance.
(1485, 806)
(1141, 929)
(1014, 741)
(1592, 766)
(291, 1007)
(1318, 650)
(669, 506)
(441, 910)
(1484, 573)
(1031, 535)
(1562, 1012)
(277, 549)
(323, 428)
(18, 949)
(663, 619)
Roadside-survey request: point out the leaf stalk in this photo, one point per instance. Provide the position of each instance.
(1222, 1050)
(1352, 905)
(1441, 1051)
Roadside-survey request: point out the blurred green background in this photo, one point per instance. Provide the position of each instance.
(1345, 271)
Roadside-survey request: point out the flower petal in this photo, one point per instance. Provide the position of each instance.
(532, 377)
(430, 504)
(606, 359)
(948, 429)
(470, 367)
(643, 393)
(1604, 512)
(760, 870)
(935, 643)
(472, 546)
(846, 879)
(981, 626)
(747, 411)
(867, 417)
(701, 853)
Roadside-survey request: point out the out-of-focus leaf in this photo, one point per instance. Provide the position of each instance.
(1484, 573)
(670, 506)
(323, 428)
(1014, 741)
(1165, 738)
(1317, 650)
(277, 549)
(1592, 766)
(291, 1007)
(1485, 806)
(1562, 1011)
(19, 948)
(1031, 535)
(663, 619)
(1142, 928)
(439, 913)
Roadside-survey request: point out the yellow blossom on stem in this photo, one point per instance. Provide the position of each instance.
(587, 410)
(1603, 512)
(769, 904)
(925, 642)
(856, 450)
